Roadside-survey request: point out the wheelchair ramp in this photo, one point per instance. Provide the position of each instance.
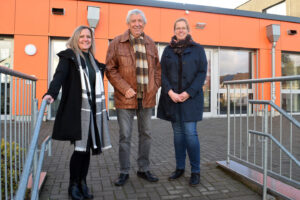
(275, 187)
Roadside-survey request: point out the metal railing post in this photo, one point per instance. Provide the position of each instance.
(265, 145)
(228, 123)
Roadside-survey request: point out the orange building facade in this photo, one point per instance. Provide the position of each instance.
(235, 41)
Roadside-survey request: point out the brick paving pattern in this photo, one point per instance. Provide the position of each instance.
(104, 169)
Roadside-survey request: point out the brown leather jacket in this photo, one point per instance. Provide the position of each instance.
(121, 71)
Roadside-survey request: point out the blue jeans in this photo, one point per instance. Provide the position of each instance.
(186, 140)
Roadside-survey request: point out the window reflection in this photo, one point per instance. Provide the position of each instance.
(290, 66)
(234, 65)
(290, 63)
(238, 103)
(6, 49)
(6, 60)
(207, 84)
(291, 106)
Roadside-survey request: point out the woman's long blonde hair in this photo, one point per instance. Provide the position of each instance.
(73, 41)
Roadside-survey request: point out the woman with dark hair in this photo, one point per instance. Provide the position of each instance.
(184, 67)
(81, 117)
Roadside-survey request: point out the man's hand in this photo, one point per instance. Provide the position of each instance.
(130, 93)
(48, 98)
(174, 96)
(184, 96)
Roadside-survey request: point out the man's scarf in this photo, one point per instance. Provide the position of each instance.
(138, 45)
(87, 120)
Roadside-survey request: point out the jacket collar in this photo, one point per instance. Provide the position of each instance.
(125, 37)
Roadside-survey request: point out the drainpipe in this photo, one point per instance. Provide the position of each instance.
(273, 97)
(273, 34)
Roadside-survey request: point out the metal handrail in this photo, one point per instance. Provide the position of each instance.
(11, 72)
(280, 110)
(35, 188)
(28, 164)
(275, 79)
(266, 132)
(297, 162)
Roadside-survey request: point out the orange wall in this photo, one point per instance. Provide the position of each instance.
(31, 22)
(62, 25)
(32, 17)
(7, 16)
(35, 65)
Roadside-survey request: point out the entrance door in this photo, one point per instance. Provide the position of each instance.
(208, 88)
(56, 46)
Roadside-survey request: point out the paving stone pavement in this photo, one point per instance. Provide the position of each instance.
(104, 168)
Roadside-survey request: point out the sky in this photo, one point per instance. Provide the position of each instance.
(216, 3)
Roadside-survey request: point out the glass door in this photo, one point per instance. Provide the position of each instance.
(56, 46)
(207, 88)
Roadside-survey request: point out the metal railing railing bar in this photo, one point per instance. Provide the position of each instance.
(35, 188)
(8, 71)
(263, 80)
(280, 110)
(278, 144)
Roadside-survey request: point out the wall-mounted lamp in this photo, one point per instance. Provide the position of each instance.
(292, 32)
(200, 25)
(58, 11)
(30, 49)
(93, 16)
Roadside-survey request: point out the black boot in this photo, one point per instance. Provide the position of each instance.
(85, 190)
(74, 191)
(195, 179)
(176, 174)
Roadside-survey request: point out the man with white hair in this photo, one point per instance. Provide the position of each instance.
(132, 67)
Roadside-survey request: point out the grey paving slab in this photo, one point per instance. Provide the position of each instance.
(215, 183)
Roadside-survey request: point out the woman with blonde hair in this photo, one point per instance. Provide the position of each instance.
(81, 117)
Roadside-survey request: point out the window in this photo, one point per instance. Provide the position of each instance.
(6, 52)
(278, 9)
(290, 63)
(6, 60)
(234, 65)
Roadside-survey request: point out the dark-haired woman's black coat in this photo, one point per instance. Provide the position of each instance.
(67, 125)
(193, 74)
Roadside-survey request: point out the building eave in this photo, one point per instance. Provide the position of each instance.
(200, 8)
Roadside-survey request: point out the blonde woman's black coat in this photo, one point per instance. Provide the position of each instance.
(67, 125)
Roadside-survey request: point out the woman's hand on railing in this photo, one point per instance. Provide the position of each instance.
(48, 98)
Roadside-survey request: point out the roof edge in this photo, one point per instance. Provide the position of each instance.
(200, 8)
